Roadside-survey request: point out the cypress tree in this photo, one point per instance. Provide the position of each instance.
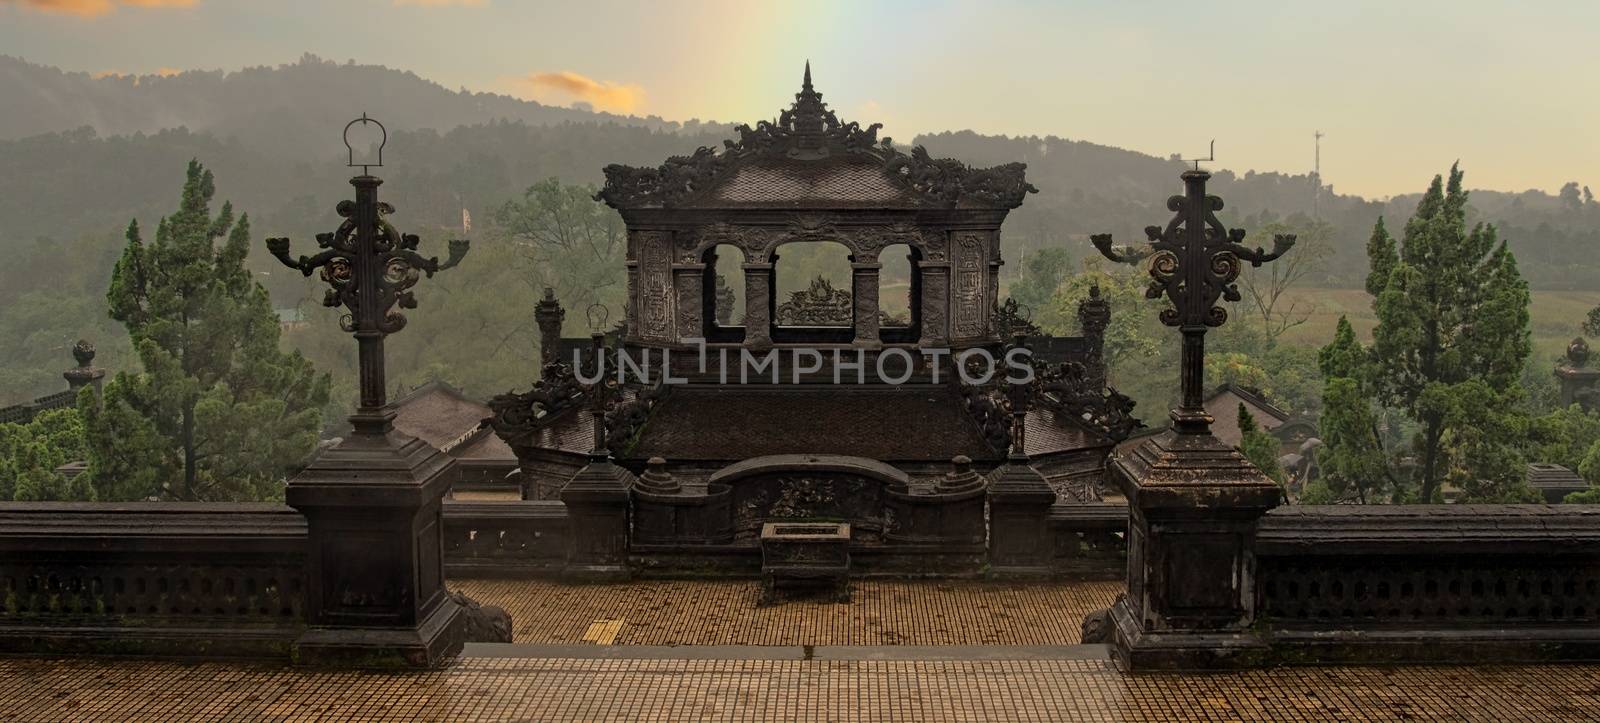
(1451, 340)
(218, 412)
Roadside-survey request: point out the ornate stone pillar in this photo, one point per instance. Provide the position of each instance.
(1094, 314)
(758, 305)
(549, 315)
(1019, 504)
(689, 281)
(935, 304)
(1194, 503)
(597, 500)
(864, 293)
(85, 373)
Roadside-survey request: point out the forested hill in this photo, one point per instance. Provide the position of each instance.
(278, 109)
(80, 156)
(1089, 188)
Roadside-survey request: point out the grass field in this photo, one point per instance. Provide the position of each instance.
(1556, 316)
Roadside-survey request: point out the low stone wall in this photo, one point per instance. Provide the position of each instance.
(530, 539)
(1090, 540)
(212, 580)
(1460, 583)
(505, 539)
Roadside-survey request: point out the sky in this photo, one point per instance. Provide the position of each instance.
(1401, 88)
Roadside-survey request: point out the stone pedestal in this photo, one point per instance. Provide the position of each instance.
(597, 503)
(1019, 517)
(1577, 383)
(376, 594)
(1194, 503)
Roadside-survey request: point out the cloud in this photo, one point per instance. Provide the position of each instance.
(605, 95)
(443, 3)
(97, 8)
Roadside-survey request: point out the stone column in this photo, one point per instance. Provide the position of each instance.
(935, 304)
(1094, 314)
(597, 504)
(689, 281)
(377, 597)
(758, 305)
(864, 293)
(549, 315)
(597, 500)
(1194, 503)
(85, 373)
(1019, 505)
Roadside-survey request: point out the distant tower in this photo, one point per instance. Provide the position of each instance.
(1316, 180)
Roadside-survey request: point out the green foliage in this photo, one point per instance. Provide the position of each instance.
(1042, 272)
(1353, 461)
(1258, 446)
(1141, 354)
(31, 453)
(1451, 341)
(219, 412)
(570, 242)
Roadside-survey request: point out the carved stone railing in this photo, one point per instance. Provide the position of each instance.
(218, 580)
(505, 539)
(1429, 582)
(1090, 539)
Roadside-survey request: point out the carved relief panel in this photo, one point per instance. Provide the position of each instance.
(654, 291)
(967, 298)
(688, 283)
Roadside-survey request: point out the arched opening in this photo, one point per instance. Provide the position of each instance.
(812, 299)
(723, 295)
(900, 295)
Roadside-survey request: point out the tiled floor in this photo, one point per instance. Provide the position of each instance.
(552, 689)
(673, 612)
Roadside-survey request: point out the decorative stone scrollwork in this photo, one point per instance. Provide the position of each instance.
(808, 130)
(819, 305)
(1012, 318)
(1069, 386)
(626, 415)
(947, 182)
(989, 409)
(517, 416)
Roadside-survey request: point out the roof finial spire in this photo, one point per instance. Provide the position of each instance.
(806, 84)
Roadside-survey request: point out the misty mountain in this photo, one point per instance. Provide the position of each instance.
(81, 156)
(297, 107)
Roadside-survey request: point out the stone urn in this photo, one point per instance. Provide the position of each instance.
(812, 557)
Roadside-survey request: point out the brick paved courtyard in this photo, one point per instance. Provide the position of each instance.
(674, 612)
(551, 689)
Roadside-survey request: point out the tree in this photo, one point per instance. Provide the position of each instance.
(1264, 287)
(1258, 446)
(218, 412)
(1352, 460)
(1042, 272)
(1451, 339)
(569, 241)
(30, 454)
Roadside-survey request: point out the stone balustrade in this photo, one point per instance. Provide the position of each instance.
(218, 580)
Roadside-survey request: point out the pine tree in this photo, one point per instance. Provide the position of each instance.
(30, 454)
(1352, 459)
(1258, 446)
(218, 412)
(1451, 340)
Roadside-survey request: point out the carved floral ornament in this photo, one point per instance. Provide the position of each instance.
(808, 130)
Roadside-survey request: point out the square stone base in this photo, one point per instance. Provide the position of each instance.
(437, 639)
